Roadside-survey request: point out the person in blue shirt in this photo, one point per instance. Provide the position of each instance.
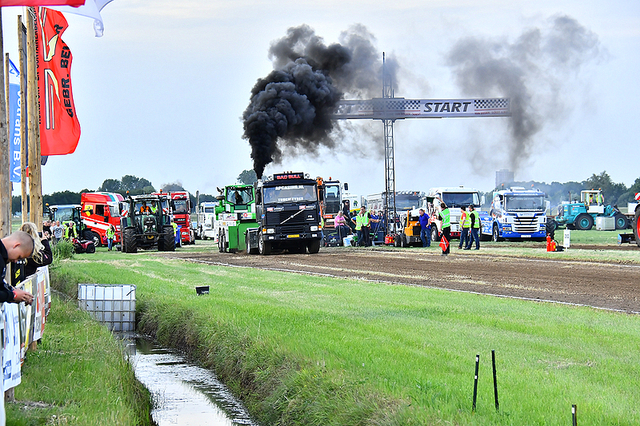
(425, 229)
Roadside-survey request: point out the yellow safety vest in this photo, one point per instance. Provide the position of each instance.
(446, 218)
(362, 220)
(476, 223)
(466, 222)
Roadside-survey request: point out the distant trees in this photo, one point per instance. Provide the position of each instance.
(614, 193)
(248, 177)
(133, 184)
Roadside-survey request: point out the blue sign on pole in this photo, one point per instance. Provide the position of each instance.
(15, 112)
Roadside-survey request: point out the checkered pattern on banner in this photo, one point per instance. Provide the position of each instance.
(403, 104)
(490, 103)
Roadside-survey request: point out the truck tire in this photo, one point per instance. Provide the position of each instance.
(264, 247)
(314, 246)
(221, 242)
(583, 222)
(435, 235)
(92, 236)
(495, 234)
(621, 221)
(403, 240)
(636, 226)
(167, 242)
(129, 243)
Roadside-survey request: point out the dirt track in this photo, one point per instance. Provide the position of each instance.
(602, 285)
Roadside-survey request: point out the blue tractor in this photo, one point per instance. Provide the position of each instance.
(582, 215)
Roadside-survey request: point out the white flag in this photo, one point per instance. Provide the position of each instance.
(91, 9)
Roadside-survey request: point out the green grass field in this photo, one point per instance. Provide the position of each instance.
(320, 351)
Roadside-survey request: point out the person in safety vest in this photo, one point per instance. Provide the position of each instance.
(600, 198)
(445, 217)
(425, 229)
(144, 209)
(175, 227)
(363, 227)
(153, 208)
(465, 221)
(111, 235)
(475, 229)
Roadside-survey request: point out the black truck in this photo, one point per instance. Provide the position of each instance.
(288, 214)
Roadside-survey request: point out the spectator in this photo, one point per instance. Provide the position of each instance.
(475, 229)
(46, 229)
(340, 223)
(465, 222)
(16, 246)
(41, 250)
(111, 235)
(57, 231)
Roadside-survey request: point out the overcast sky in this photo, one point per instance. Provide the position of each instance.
(162, 93)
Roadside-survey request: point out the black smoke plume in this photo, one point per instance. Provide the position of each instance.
(290, 109)
(531, 71)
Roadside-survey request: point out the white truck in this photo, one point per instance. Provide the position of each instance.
(454, 198)
(206, 220)
(516, 213)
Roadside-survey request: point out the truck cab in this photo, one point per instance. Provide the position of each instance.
(99, 211)
(206, 213)
(454, 198)
(235, 213)
(288, 215)
(517, 213)
(331, 202)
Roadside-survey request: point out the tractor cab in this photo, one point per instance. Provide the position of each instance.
(147, 224)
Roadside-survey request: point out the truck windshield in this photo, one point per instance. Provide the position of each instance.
(459, 199)
(208, 209)
(407, 201)
(240, 195)
(114, 210)
(63, 214)
(290, 194)
(180, 206)
(332, 199)
(524, 203)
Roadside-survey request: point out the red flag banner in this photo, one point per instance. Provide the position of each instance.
(41, 3)
(59, 126)
(444, 243)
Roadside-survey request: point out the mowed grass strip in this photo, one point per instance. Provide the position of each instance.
(311, 350)
(78, 375)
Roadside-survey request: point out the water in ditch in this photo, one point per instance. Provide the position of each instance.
(184, 394)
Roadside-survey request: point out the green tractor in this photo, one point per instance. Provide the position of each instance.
(235, 213)
(582, 215)
(146, 224)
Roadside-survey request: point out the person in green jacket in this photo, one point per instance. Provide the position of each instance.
(445, 217)
(111, 235)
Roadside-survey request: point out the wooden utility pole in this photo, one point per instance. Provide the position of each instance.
(5, 181)
(35, 177)
(23, 119)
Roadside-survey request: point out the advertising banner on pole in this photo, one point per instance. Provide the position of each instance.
(15, 112)
(59, 125)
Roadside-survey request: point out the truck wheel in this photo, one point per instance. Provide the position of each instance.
(403, 241)
(621, 221)
(583, 222)
(264, 247)
(435, 236)
(167, 242)
(314, 246)
(636, 226)
(495, 235)
(129, 243)
(221, 243)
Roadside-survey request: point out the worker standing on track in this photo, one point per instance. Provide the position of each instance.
(445, 217)
(363, 227)
(425, 229)
(475, 229)
(465, 221)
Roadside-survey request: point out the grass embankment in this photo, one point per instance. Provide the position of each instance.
(77, 376)
(320, 351)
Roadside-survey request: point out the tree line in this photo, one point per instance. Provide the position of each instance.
(556, 192)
